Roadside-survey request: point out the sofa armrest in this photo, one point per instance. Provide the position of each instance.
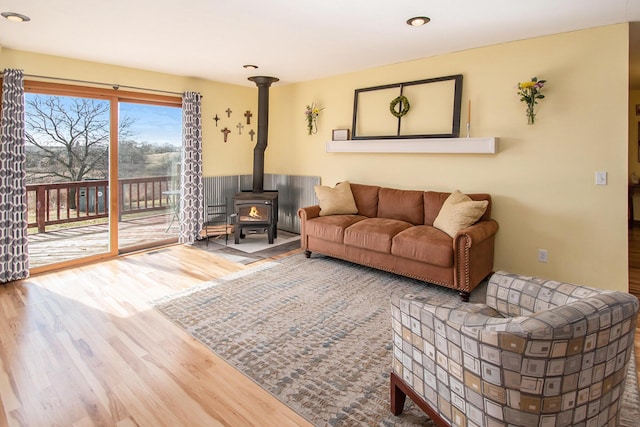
(473, 249)
(309, 212)
(306, 214)
(477, 232)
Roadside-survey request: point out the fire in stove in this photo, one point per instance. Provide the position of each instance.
(253, 213)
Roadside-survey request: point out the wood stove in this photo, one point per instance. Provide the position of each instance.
(257, 210)
(256, 213)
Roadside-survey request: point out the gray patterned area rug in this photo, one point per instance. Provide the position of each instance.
(316, 334)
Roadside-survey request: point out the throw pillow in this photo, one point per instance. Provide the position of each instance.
(336, 201)
(459, 211)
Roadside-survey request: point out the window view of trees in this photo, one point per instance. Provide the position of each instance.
(138, 159)
(68, 140)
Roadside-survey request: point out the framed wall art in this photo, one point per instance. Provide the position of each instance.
(427, 108)
(340, 135)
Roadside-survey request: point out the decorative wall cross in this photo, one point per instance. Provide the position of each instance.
(226, 132)
(216, 118)
(240, 127)
(251, 132)
(248, 115)
(228, 111)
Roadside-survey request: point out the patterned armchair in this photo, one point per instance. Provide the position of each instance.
(539, 353)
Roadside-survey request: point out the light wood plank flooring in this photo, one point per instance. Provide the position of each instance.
(82, 347)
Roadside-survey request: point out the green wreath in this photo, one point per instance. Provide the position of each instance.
(404, 103)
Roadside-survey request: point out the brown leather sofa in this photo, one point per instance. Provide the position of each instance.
(393, 231)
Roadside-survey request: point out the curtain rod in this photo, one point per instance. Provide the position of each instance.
(115, 86)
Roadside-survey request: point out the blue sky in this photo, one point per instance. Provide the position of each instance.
(154, 124)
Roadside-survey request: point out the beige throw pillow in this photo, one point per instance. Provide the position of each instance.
(459, 212)
(336, 201)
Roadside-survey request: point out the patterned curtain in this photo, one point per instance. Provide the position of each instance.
(192, 199)
(14, 254)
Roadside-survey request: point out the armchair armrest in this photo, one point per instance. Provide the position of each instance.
(519, 295)
(457, 314)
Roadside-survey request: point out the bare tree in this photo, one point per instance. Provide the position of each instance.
(69, 137)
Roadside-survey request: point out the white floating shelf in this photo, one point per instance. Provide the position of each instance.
(488, 145)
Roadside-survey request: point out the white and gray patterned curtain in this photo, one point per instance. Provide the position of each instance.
(14, 254)
(192, 199)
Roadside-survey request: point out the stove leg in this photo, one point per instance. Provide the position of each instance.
(270, 234)
(236, 235)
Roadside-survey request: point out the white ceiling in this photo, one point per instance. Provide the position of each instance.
(294, 40)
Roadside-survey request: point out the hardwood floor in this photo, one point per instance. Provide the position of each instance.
(83, 347)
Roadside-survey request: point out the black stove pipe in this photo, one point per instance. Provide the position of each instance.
(263, 84)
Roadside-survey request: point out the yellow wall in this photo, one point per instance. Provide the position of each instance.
(233, 157)
(543, 177)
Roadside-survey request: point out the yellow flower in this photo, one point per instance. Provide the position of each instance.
(526, 85)
(529, 92)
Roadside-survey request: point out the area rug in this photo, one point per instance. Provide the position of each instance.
(316, 334)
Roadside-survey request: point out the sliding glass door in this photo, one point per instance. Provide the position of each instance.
(102, 172)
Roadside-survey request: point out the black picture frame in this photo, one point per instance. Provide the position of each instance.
(455, 117)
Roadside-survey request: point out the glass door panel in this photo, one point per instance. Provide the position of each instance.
(67, 158)
(149, 149)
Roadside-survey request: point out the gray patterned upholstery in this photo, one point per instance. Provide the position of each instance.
(539, 353)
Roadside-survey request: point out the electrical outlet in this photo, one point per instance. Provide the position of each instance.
(543, 255)
(601, 178)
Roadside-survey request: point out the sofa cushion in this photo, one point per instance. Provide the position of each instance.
(366, 197)
(459, 212)
(336, 201)
(424, 243)
(403, 205)
(374, 233)
(433, 201)
(331, 227)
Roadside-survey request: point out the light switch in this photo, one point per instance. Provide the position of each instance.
(601, 178)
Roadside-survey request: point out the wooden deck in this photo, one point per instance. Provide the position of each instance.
(82, 241)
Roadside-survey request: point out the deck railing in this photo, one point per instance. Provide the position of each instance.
(66, 202)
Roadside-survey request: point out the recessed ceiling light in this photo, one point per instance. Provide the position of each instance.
(418, 21)
(250, 67)
(15, 17)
